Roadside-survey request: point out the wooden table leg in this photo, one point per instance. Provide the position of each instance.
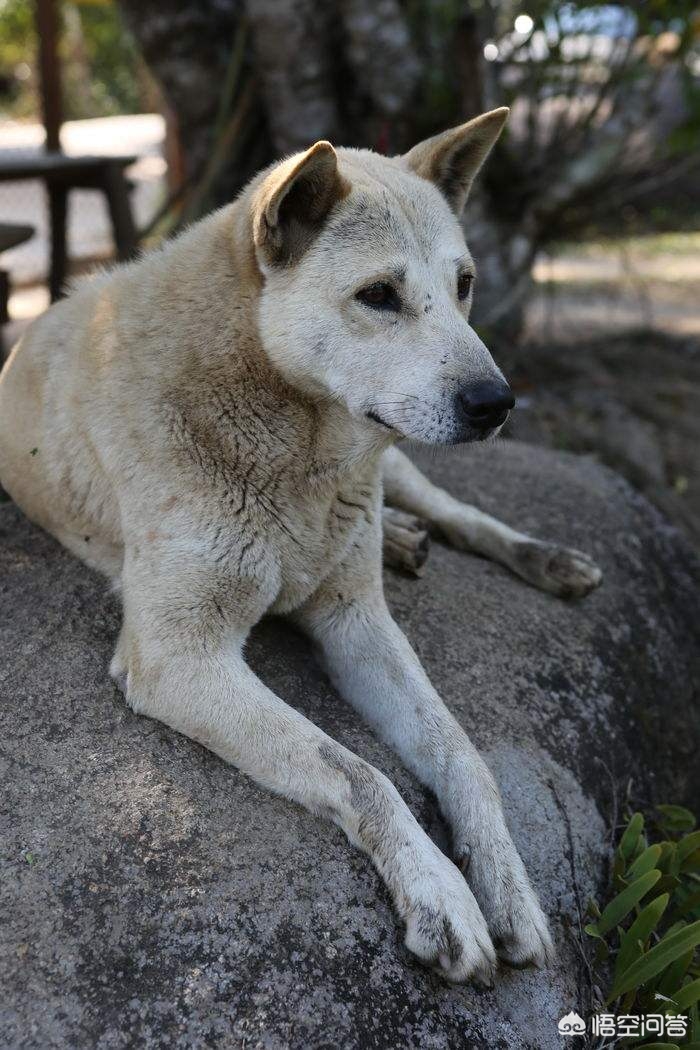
(4, 297)
(116, 189)
(4, 315)
(58, 213)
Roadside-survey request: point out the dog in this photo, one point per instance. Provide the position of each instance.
(214, 425)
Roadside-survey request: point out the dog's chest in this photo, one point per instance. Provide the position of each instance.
(315, 531)
(283, 504)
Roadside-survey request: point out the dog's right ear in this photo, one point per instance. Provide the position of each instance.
(293, 202)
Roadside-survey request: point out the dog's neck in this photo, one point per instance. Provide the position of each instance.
(241, 413)
(319, 438)
(344, 445)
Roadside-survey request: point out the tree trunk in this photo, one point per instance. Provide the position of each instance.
(504, 251)
(252, 80)
(346, 71)
(190, 49)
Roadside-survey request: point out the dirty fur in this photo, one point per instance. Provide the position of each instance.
(214, 427)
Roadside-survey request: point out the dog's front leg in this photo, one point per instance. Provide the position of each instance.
(372, 664)
(180, 660)
(560, 570)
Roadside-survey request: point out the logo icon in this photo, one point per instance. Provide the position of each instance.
(572, 1024)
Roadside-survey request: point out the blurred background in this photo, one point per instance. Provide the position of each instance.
(121, 122)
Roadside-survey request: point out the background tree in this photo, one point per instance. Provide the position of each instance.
(102, 71)
(603, 96)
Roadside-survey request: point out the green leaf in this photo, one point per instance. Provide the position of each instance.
(673, 977)
(644, 862)
(622, 904)
(661, 1046)
(668, 884)
(687, 845)
(686, 906)
(668, 856)
(630, 837)
(685, 997)
(618, 869)
(592, 909)
(639, 932)
(677, 818)
(670, 948)
(691, 862)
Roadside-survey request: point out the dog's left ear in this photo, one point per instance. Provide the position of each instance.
(452, 159)
(293, 202)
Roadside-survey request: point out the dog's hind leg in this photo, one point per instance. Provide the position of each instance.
(559, 570)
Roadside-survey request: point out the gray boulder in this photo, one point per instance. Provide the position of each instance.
(154, 897)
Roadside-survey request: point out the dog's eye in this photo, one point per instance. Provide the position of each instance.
(380, 296)
(464, 285)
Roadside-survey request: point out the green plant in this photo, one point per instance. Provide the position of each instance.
(648, 934)
(102, 73)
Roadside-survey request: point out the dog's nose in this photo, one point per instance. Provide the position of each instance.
(486, 403)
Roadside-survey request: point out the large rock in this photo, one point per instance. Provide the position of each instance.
(156, 898)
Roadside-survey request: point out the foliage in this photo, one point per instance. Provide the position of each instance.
(102, 73)
(101, 65)
(648, 935)
(586, 83)
(17, 47)
(17, 32)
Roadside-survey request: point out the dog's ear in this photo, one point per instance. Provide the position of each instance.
(452, 159)
(293, 202)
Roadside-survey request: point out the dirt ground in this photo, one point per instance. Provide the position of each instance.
(610, 365)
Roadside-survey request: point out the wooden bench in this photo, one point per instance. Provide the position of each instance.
(62, 173)
(11, 235)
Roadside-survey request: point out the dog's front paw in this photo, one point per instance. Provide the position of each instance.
(559, 570)
(445, 928)
(515, 919)
(405, 541)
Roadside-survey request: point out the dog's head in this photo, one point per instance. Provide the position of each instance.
(368, 284)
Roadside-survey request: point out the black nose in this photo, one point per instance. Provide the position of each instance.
(486, 403)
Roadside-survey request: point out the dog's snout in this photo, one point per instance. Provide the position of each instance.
(486, 403)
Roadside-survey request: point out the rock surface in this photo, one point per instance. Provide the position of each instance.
(154, 897)
(630, 399)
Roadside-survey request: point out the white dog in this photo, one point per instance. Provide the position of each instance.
(213, 427)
